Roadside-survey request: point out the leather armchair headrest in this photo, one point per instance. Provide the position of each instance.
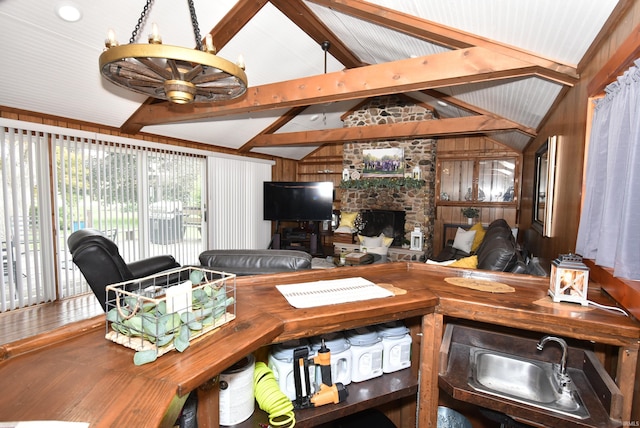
(83, 237)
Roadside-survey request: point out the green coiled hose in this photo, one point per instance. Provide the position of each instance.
(271, 399)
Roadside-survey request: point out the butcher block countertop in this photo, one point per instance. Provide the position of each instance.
(77, 375)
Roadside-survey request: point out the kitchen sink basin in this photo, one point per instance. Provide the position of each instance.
(531, 382)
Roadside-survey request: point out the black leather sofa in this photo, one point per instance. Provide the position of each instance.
(255, 262)
(497, 252)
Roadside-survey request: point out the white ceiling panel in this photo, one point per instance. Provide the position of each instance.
(372, 43)
(524, 100)
(514, 140)
(558, 30)
(232, 132)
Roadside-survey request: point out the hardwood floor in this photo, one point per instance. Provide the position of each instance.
(28, 322)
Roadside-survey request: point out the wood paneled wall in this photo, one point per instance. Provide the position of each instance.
(450, 214)
(568, 121)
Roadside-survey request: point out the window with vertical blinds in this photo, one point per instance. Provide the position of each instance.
(149, 199)
(25, 220)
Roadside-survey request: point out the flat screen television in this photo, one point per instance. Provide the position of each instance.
(298, 201)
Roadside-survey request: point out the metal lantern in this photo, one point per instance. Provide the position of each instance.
(416, 173)
(416, 239)
(569, 279)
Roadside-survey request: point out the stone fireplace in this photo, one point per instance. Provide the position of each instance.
(417, 204)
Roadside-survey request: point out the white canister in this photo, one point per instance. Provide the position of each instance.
(237, 401)
(396, 343)
(340, 350)
(280, 361)
(366, 353)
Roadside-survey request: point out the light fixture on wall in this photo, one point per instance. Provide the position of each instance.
(569, 279)
(178, 74)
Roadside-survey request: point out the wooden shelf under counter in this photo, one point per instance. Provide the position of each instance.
(362, 396)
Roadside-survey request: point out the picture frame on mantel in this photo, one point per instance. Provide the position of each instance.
(383, 162)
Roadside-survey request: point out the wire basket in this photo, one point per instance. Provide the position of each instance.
(166, 311)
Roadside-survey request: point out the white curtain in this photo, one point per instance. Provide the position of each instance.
(608, 231)
(235, 203)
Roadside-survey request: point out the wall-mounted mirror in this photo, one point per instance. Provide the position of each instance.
(544, 186)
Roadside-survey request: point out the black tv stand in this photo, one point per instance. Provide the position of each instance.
(304, 237)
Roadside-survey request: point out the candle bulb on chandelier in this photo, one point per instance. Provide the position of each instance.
(208, 42)
(111, 39)
(240, 62)
(154, 37)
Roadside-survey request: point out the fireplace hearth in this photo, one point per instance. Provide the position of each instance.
(389, 222)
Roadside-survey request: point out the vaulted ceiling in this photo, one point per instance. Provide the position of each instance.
(495, 67)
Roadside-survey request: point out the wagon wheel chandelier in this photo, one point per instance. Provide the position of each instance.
(177, 74)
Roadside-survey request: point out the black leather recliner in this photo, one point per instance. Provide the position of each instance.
(101, 264)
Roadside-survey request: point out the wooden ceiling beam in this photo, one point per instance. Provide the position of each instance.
(307, 21)
(403, 130)
(452, 68)
(443, 35)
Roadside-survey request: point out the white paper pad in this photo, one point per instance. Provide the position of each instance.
(330, 292)
(44, 424)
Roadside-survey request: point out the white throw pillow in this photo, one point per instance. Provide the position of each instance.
(370, 241)
(375, 241)
(444, 263)
(464, 240)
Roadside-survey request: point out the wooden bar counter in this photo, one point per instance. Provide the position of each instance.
(81, 376)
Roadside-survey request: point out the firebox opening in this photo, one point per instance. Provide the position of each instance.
(389, 222)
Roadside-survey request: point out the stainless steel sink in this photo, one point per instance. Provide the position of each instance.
(532, 382)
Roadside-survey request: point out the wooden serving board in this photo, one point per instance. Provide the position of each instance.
(480, 284)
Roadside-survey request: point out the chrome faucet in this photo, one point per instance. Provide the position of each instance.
(563, 345)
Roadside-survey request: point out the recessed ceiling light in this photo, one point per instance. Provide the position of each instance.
(68, 12)
(442, 103)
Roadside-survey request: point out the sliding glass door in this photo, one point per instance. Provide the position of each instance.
(150, 199)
